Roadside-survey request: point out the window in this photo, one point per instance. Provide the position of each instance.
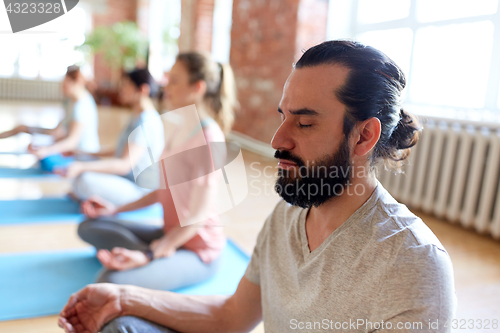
(221, 32)
(47, 50)
(460, 70)
(448, 49)
(163, 33)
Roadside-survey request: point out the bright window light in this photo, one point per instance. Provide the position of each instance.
(447, 69)
(373, 11)
(446, 48)
(498, 102)
(163, 32)
(437, 10)
(221, 34)
(395, 43)
(8, 56)
(29, 60)
(45, 51)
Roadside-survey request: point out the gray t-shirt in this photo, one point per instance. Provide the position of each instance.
(382, 267)
(153, 125)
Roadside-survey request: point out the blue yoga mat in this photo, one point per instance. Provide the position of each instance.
(47, 166)
(24, 173)
(35, 284)
(39, 284)
(59, 210)
(225, 282)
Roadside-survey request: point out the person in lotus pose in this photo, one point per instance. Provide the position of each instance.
(338, 252)
(172, 256)
(110, 174)
(77, 131)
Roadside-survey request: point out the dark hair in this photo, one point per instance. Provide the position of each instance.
(140, 76)
(220, 96)
(372, 89)
(73, 72)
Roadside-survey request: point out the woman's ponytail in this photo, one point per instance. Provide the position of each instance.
(227, 98)
(220, 96)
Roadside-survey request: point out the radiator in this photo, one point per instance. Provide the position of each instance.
(453, 173)
(37, 90)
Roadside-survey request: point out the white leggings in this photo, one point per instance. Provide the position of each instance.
(112, 188)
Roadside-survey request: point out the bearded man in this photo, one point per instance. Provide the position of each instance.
(338, 252)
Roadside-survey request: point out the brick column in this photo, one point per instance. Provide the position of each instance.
(266, 38)
(311, 25)
(196, 25)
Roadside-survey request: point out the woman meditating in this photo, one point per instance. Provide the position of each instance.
(76, 132)
(186, 249)
(110, 175)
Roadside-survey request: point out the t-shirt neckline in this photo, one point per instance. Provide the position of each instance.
(361, 210)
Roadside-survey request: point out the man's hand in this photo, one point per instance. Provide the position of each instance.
(122, 259)
(94, 207)
(91, 308)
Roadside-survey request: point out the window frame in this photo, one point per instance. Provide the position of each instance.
(350, 28)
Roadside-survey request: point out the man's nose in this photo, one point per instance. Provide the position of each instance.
(282, 139)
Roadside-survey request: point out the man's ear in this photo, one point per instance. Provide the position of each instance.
(368, 136)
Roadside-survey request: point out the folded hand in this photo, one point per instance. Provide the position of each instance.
(89, 309)
(95, 206)
(122, 259)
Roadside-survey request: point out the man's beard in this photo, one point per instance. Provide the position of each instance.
(307, 186)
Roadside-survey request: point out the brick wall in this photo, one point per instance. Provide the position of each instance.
(114, 11)
(196, 25)
(311, 25)
(266, 38)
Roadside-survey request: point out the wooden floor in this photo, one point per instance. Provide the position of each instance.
(476, 258)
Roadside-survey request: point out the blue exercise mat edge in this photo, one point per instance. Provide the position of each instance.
(60, 210)
(88, 255)
(26, 173)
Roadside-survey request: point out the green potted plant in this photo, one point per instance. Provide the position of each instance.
(121, 45)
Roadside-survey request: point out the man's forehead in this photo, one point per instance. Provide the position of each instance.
(313, 87)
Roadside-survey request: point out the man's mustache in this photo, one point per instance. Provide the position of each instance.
(286, 155)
